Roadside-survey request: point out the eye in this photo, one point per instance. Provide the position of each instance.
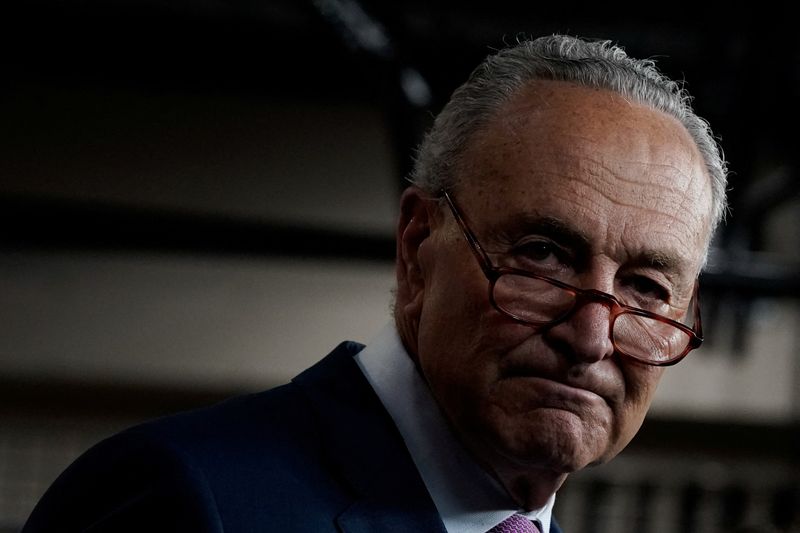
(647, 292)
(537, 250)
(540, 254)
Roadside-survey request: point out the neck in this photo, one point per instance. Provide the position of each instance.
(530, 485)
(530, 489)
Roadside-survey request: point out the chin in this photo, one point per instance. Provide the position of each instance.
(561, 443)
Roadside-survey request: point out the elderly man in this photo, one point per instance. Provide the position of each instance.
(547, 261)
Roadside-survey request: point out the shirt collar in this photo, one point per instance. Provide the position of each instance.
(468, 499)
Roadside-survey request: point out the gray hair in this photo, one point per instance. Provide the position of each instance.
(597, 64)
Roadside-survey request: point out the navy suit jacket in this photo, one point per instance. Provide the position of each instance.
(319, 454)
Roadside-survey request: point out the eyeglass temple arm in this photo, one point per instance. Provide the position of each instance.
(475, 246)
(698, 322)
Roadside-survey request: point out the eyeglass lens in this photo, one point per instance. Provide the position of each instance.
(539, 302)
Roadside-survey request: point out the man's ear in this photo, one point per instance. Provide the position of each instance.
(413, 228)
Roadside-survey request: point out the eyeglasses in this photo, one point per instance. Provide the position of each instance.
(540, 301)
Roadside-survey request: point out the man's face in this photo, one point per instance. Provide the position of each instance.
(583, 180)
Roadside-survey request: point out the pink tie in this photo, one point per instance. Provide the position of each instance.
(515, 524)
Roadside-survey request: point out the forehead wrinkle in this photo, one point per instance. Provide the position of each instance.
(613, 174)
(645, 164)
(602, 181)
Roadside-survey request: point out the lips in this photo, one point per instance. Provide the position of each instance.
(549, 393)
(571, 386)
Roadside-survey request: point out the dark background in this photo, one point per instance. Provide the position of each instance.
(740, 64)
(88, 84)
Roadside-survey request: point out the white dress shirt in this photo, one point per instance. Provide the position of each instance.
(468, 499)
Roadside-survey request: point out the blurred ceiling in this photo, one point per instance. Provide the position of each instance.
(741, 64)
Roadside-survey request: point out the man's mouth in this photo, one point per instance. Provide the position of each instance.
(566, 389)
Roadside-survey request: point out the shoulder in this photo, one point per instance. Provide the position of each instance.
(170, 468)
(225, 464)
(130, 475)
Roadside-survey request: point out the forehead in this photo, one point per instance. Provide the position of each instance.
(628, 177)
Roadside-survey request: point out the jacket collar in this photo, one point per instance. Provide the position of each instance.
(366, 449)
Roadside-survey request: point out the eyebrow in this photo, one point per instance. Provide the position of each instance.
(570, 237)
(555, 228)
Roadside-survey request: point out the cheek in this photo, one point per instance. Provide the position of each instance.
(451, 332)
(463, 340)
(454, 301)
(461, 332)
(642, 382)
(640, 387)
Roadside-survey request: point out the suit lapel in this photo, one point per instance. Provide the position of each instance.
(366, 450)
(369, 516)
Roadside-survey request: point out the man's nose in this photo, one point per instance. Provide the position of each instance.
(585, 335)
